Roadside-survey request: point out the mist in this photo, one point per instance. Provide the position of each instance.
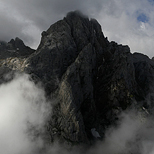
(25, 111)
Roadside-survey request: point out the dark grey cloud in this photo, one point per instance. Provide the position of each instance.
(18, 17)
(122, 20)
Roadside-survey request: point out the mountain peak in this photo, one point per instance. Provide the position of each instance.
(14, 48)
(76, 14)
(17, 42)
(92, 79)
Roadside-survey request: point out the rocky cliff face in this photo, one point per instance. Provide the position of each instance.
(13, 57)
(92, 79)
(14, 48)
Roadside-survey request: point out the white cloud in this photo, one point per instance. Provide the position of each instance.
(28, 18)
(120, 24)
(132, 134)
(23, 106)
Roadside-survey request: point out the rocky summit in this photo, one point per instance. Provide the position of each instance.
(91, 79)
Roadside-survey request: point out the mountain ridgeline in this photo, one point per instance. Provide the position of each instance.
(93, 80)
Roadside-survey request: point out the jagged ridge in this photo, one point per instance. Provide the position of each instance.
(92, 79)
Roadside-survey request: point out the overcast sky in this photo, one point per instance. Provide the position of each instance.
(126, 22)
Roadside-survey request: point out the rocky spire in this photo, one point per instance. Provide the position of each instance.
(92, 79)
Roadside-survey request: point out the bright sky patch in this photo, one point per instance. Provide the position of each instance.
(143, 18)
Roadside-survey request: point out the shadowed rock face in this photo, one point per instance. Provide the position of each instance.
(14, 48)
(92, 79)
(13, 57)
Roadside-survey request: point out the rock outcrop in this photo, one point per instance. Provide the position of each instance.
(92, 79)
(13, 57)
(14, 48)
